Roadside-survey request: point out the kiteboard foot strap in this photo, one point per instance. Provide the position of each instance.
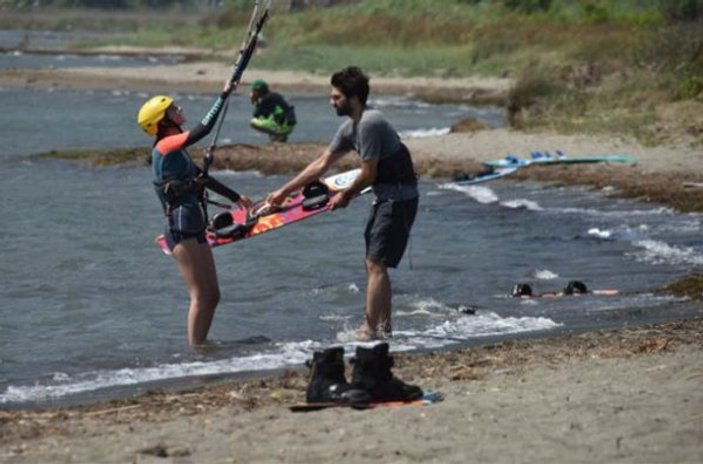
(316, 196)
(223, 226)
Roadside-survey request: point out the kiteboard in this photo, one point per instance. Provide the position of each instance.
(238, 224)
(492, 174)
(538, 158)
(573, 288)
(428, 398)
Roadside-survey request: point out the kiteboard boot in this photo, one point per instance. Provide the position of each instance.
(372, 372)
(520, 290)
(575, 287)
(327, 382)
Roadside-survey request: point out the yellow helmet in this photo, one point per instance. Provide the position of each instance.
(152, 112)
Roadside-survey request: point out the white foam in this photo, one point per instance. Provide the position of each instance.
(334, 318)
(596, 232)
(658, 252)
(64, 385)
(522, 203)
(447, 332)
(544, 274)
(397, 102)
(483, 195)
(423, 133)
(482, 324)
(616, 213)
(624, 234)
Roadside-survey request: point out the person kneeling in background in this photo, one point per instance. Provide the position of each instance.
(273, 115)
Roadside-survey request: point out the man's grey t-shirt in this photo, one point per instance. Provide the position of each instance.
(373, 138)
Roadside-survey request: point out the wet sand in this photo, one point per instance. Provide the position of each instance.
(631, 395)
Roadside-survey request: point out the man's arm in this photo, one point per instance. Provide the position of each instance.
(311, 172)
(364, 179)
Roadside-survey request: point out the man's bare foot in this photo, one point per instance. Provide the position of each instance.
(366, 334)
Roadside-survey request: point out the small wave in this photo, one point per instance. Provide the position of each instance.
(483, 195)
(398, 102)
(658, 252)
(682, 226)
(334, 318)
(617, 213)
(284, 355)
(423, 306)
(232, 173)
(64, 385)
(596, 232)
(483, 324)
(422, 133)
(522, 203)
(542, 274)
(625, 234)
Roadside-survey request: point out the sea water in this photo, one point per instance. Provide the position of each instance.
(92, 308)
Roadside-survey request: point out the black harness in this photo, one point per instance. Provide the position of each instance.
(174, 190)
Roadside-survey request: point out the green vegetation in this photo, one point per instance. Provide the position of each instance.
(104, 157)
(602, 66)
(690, 286)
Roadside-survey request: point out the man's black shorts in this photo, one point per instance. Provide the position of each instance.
(388, 230)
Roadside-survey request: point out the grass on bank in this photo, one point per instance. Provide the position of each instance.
(102, 157)
(690, 286)
(631, 67)
(600, 67)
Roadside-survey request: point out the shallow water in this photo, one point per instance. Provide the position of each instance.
(91, 306)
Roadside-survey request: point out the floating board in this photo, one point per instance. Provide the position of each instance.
(427, 399)
(603, 292)
(261, 218)
(511, 160)
(573, 288)
(494, 174)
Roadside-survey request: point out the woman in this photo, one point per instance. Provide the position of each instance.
(180, 186)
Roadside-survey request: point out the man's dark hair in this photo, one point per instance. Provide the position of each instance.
(352, 82)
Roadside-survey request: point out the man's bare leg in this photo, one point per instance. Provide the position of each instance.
(378, 302)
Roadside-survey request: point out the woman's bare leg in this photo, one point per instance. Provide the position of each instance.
(197, 267)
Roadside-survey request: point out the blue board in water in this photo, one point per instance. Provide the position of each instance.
(560, 158)
(494, 174)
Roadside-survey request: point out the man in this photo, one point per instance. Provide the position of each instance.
(386, 166)
(272, 113)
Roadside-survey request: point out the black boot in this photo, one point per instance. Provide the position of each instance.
(327, 382)
(372, 372)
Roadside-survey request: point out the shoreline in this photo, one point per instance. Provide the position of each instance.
(500, 400)
(688, 308)
(206, 76)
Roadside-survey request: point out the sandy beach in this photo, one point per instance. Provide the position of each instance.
(632, 395)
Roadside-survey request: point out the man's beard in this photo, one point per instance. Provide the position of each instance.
(343, 110)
